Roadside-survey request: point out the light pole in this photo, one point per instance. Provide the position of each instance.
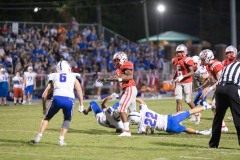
(161, 9)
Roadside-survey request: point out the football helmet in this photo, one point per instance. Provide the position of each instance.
(134, 117)
(206, 56)
(63, 66)
(183, 49)
(119, 58)
(196, 61)
(231, 52)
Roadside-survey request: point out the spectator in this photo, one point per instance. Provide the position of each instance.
(74, 25)
(4, 86)
(17, 88)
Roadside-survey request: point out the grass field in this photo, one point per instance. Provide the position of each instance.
(88, 140)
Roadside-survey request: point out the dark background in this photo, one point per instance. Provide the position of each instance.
(206, 19)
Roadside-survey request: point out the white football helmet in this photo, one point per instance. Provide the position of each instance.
(119, 58)
(134, 117)
(231, 49)
(182, 48)
(197, 61)
(206, 56)
(63, 66)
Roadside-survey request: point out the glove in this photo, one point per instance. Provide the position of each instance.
(179, 78)
(80, 108)
(114, 95)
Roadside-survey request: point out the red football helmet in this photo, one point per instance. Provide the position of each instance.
(119, 58)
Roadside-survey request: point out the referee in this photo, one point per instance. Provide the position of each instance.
(227, 94)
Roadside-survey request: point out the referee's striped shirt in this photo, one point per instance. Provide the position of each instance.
(230, 74)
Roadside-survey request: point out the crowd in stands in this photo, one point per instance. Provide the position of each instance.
(86, 51)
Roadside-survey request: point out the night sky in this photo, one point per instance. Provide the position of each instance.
(207, 19)
(201, 18)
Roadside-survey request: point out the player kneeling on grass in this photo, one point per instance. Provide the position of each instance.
(106, 116)
(149, 120)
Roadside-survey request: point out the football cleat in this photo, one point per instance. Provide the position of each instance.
(62, 143)
(224, 129)
(36, 140)
(125, 134)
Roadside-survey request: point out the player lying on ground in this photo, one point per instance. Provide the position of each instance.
(106, 116)
(151, 121)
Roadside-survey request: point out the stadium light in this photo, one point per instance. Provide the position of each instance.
(161, 8)
(36, 9)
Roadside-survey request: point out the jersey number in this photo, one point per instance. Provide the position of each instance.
(63, 77)
(30, 79)
(151, 119)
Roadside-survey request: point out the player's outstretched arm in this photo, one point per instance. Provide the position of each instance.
(140, 101)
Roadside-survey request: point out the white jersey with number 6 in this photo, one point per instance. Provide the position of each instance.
(63, 84)
(29, 76)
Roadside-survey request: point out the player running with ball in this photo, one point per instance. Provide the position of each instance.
(124, 74)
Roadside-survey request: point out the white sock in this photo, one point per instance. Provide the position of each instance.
(61, 138)
(205, 105)
(39, 135)
(223, 124)
(126, 126)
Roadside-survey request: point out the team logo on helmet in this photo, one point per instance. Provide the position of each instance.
(119, 58)
(231, 52)
(181, 51)
(206, 56)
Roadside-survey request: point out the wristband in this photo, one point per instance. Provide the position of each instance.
(119, 79)
(210, 88)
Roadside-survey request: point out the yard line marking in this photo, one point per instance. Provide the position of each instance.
(32, 154)
(189, 157)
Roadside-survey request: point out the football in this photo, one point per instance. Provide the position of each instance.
(134, 118)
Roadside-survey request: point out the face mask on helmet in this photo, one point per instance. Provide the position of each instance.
(231, 52)
(181, 51)
(196, 61)
(63, 67)
(206, 56)
(119, 58)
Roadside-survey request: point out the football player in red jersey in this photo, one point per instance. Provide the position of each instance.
(124, 74)
(183, 77)
(231, 55)
(214, 67)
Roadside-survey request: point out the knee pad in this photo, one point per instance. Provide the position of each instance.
(66, 124)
